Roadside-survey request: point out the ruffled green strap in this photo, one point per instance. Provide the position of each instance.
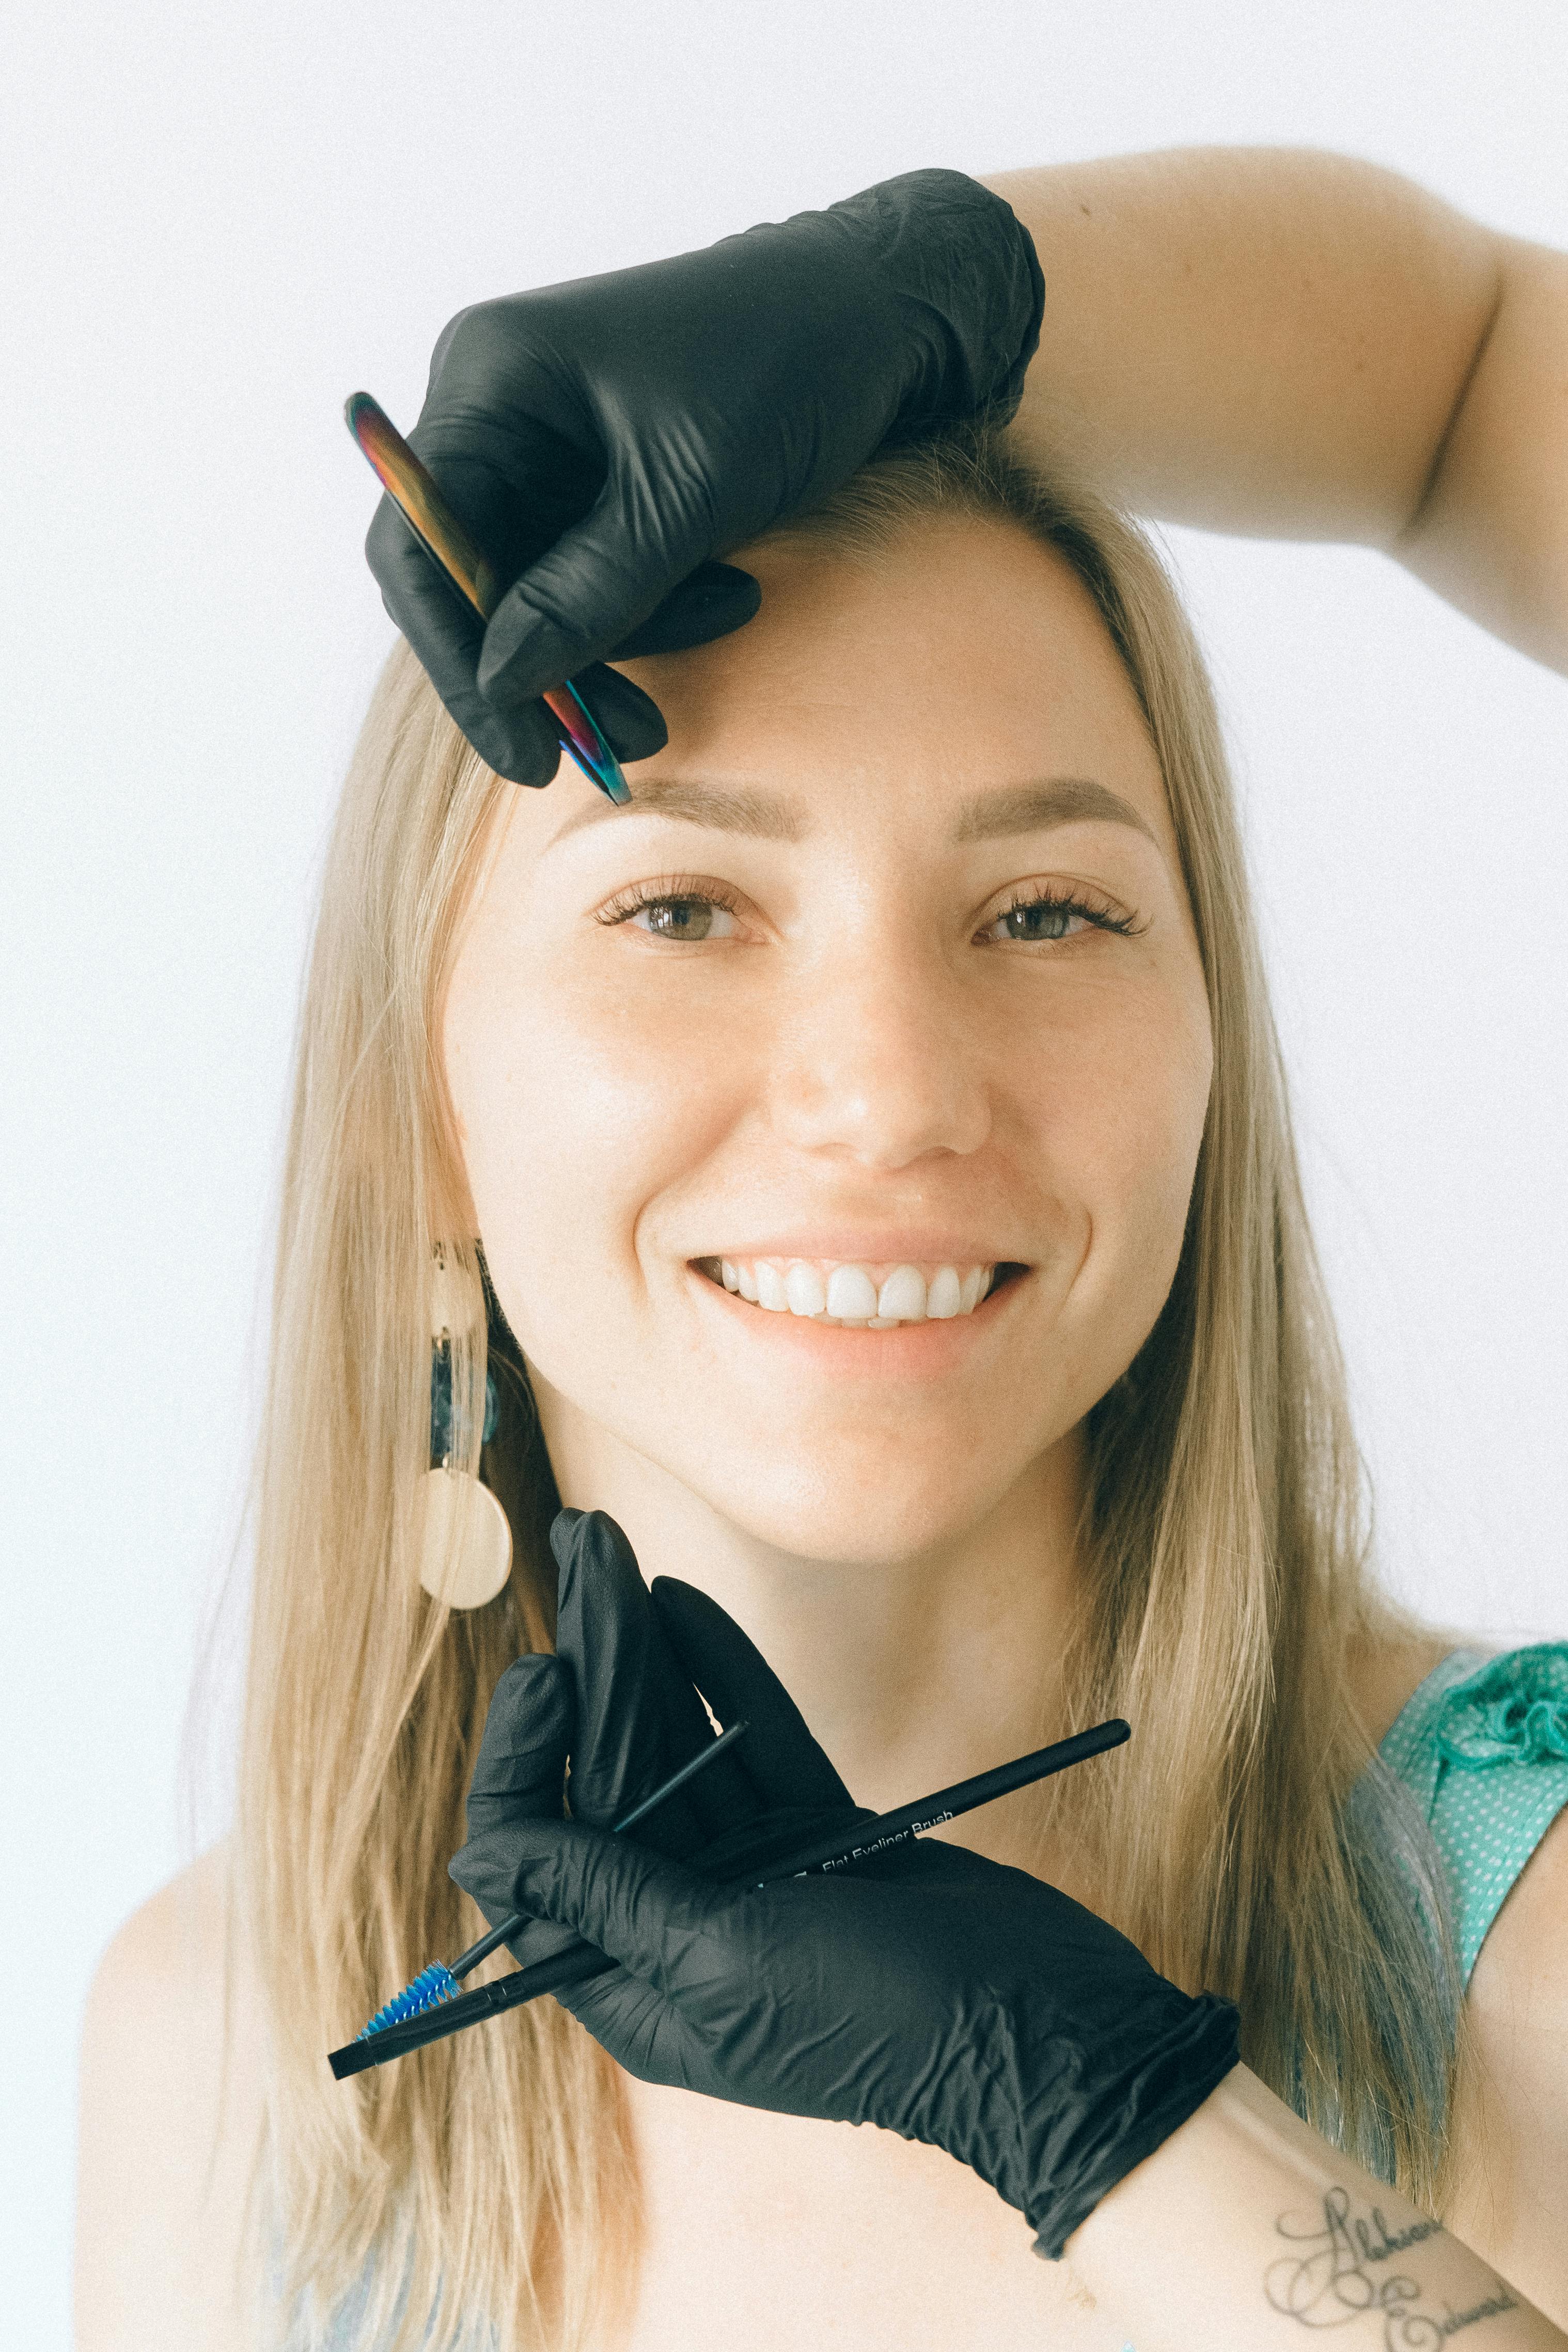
(1482, 1745)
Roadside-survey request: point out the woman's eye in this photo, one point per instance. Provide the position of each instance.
(683, 918)
(1041, 920)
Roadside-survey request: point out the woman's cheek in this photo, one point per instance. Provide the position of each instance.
(597, 1106)
(639, 1083)
(1139, 1090)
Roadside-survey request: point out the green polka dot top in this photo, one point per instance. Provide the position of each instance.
(1482, 1746)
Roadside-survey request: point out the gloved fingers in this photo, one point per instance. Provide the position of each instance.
(519, 743)
(630, 720)
(477, 1869)
(708, 602)
(653, 1917)
(633, 2023)
(513, 480)
(521, 1769)
(514, 484)
(536, 1939)
(587, 593)
(785, 1762)
(638, 1718)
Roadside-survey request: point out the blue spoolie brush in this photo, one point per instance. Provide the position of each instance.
(438, 1983)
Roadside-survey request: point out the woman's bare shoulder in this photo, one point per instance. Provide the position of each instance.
(170, 2125)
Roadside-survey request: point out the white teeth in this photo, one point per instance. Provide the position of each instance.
(851, 1294)
(902, 1297)
(803, 1288)
(944, 1295)
(771, 1291)
(851, 1298)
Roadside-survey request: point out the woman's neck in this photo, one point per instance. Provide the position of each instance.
(913, 1672)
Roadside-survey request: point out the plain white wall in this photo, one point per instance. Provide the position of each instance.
(217, 221)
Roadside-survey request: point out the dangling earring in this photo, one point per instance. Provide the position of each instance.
(465, 1539)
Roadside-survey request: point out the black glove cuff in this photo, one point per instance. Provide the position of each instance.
(1153, 2099)
(963, 270)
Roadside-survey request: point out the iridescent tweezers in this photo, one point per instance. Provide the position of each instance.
(427, 514)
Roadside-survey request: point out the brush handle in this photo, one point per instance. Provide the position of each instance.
(485, 1947)
(946, 1804)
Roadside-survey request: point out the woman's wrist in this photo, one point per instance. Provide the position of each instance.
(1246, 2228)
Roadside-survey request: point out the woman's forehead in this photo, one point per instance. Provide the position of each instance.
(966, 658)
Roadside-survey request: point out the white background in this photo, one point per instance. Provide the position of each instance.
(221, 219)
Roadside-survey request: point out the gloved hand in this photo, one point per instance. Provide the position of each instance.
(618, 1695)
(603, 439)
(945, 1996)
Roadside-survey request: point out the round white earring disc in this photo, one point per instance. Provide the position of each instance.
(465, 1551)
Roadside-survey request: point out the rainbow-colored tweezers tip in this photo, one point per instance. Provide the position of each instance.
(411, 489)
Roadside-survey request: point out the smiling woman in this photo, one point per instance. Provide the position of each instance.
(862, 1166)
(915, 994)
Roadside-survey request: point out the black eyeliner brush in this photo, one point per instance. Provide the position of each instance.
(869, 1837)
(891, 1828)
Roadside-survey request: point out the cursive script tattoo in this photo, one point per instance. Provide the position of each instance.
(1336, 2276)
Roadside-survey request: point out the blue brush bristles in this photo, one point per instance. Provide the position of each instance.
(430, 1988)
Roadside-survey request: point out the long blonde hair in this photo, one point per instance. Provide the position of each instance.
(1248, 1840)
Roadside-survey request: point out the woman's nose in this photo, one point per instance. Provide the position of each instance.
(874, 1061)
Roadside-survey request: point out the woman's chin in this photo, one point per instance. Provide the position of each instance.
(852, 1518)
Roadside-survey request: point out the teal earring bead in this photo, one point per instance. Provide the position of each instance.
(441, 1443)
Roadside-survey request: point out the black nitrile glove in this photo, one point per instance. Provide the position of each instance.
(947, 1998)
(604, 439)
(619, 1695)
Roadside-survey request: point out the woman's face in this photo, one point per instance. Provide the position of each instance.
(886, 981)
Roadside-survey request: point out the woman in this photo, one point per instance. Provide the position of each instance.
(919, 974)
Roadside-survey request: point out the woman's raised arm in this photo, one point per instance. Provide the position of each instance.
(1289, 344)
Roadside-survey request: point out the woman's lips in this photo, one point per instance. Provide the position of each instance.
(859, 1294)
(869, 1294)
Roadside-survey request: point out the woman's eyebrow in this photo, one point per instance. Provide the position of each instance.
(724, 808)
(772, 816)
(1056, 800)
